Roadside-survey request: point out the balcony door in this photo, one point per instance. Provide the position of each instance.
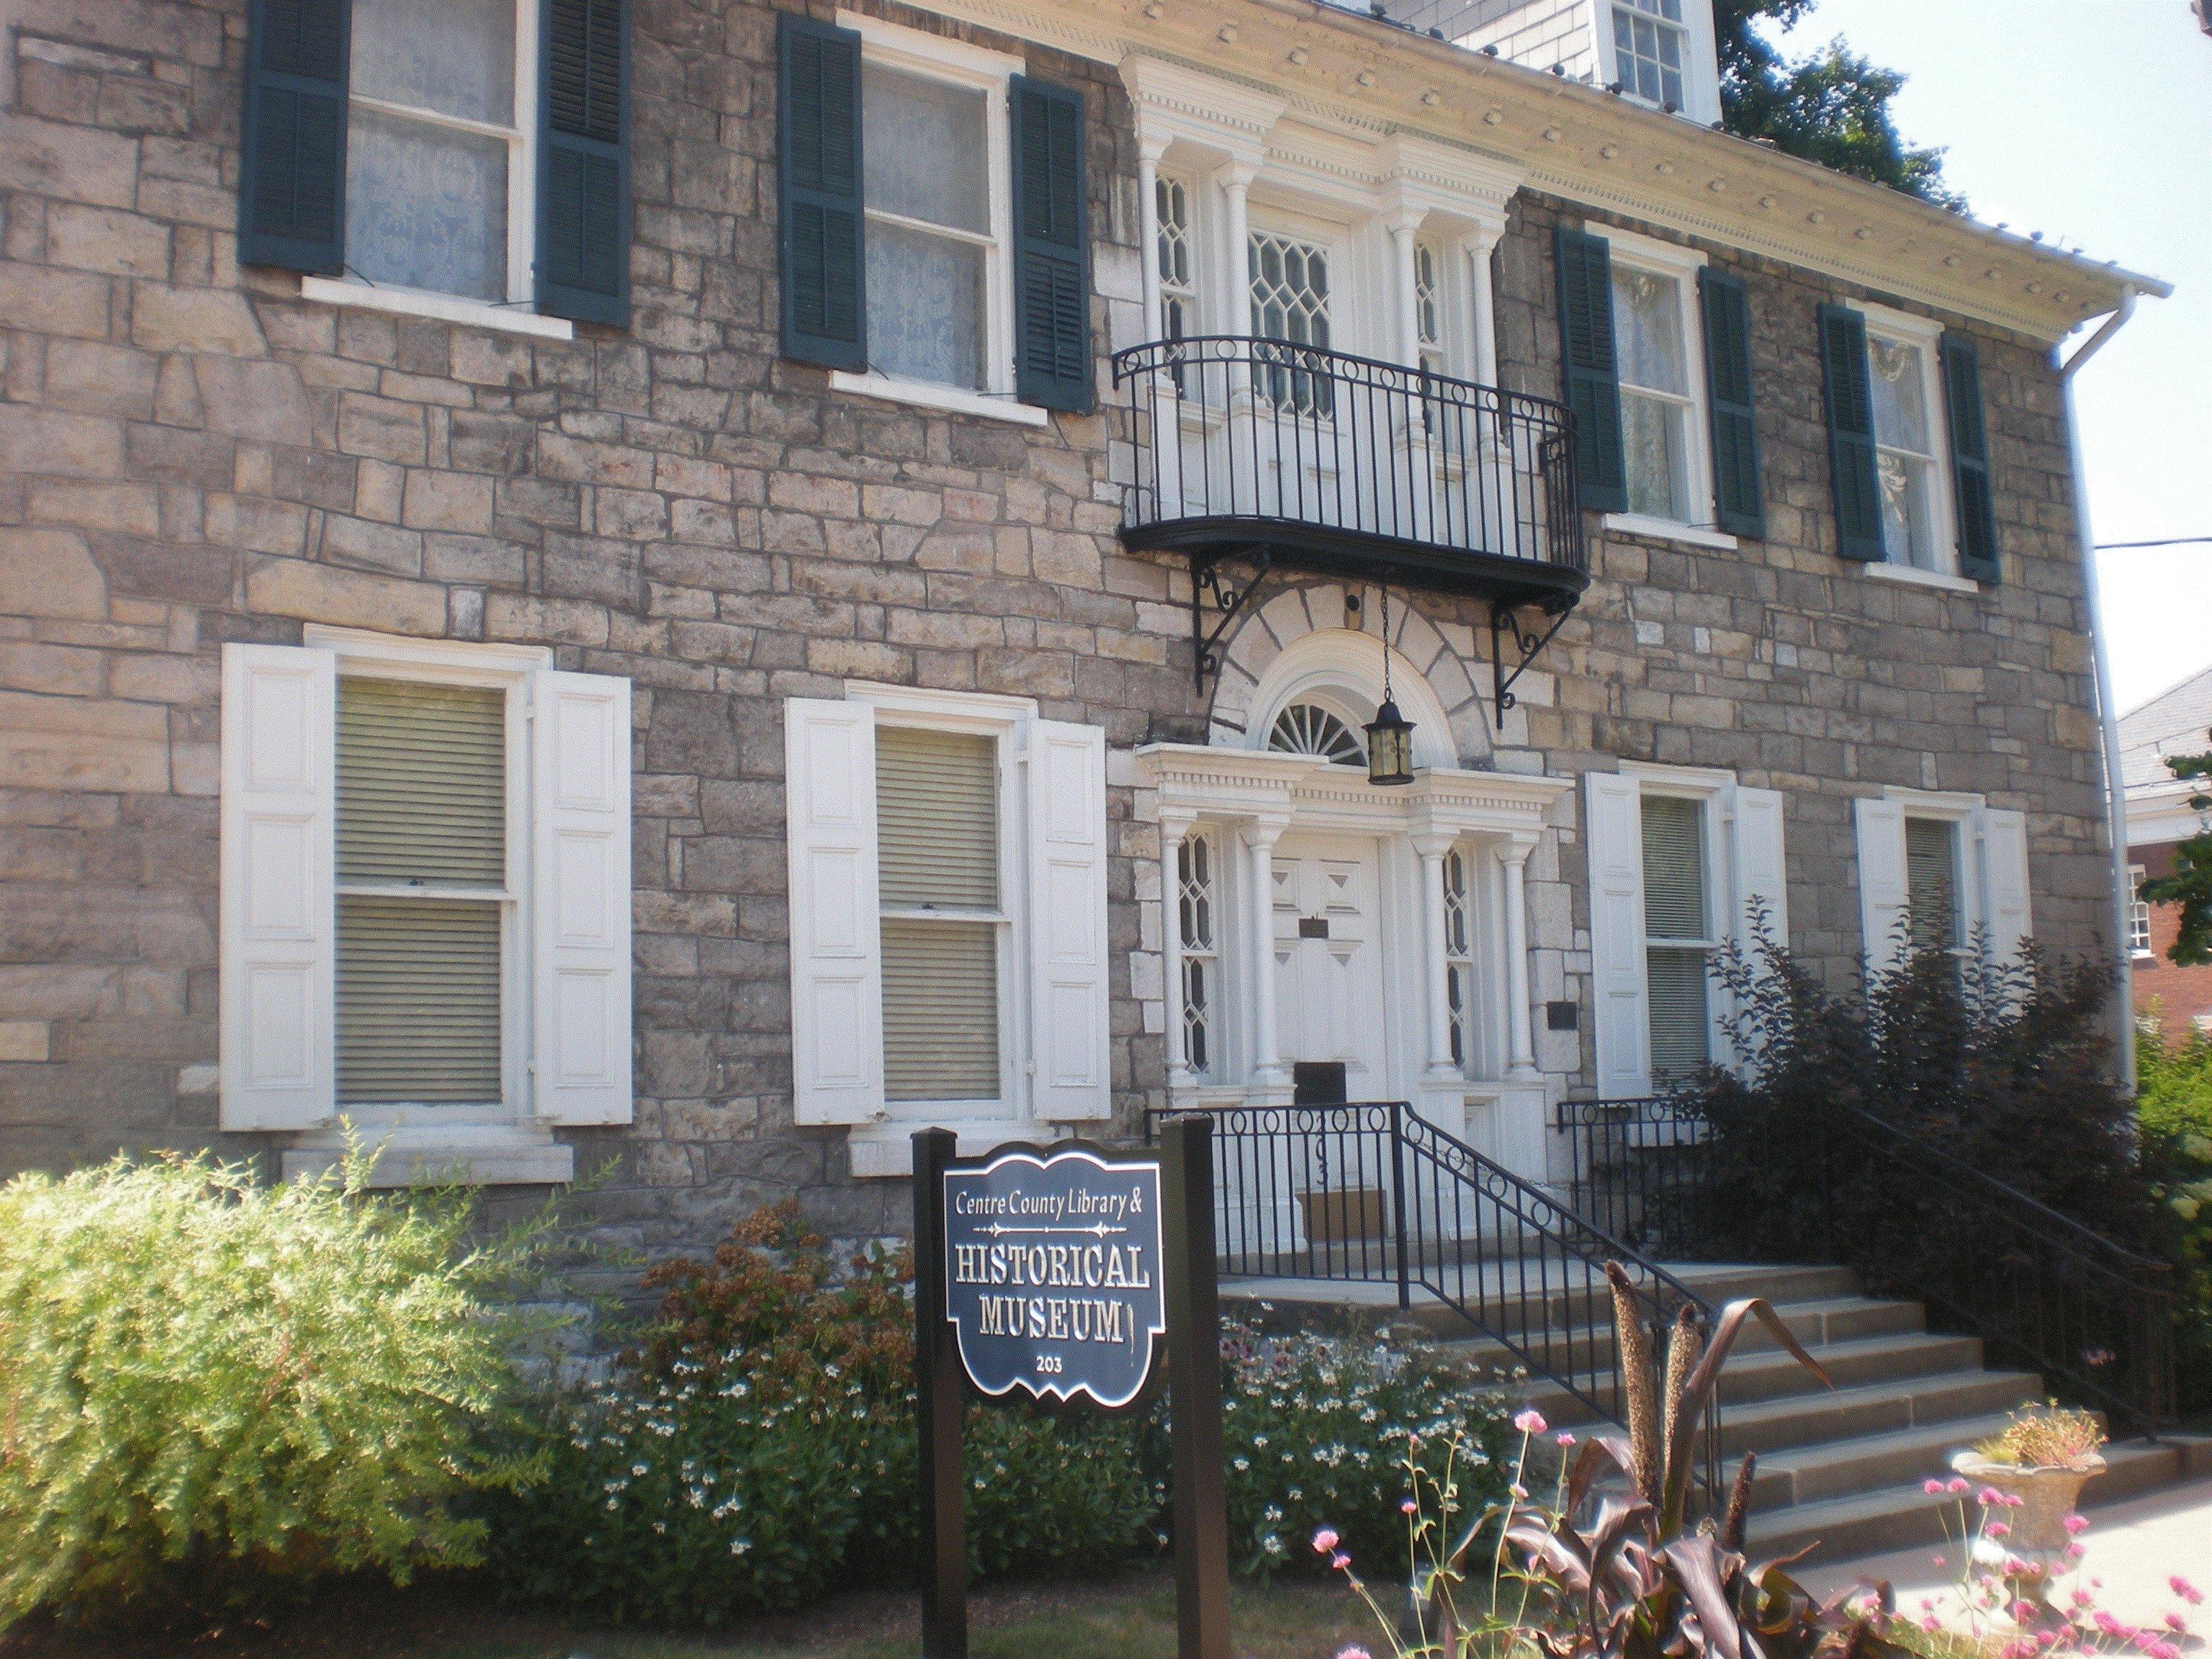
(1328, 958)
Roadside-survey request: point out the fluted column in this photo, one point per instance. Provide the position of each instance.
(1520, 1037)
(1403, 230)
(1270, 1077)
(1436, 992)
(1485, 310)
(1174, 830)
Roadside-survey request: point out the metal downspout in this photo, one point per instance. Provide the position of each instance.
(2107, 716)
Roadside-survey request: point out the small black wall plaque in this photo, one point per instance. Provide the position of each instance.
(1560, 1016)
(1313, 926)
(1053, 1273)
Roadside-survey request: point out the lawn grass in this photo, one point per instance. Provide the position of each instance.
(1131, 1617)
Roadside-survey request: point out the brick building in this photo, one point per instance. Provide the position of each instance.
(2178, 722)
(583, 586)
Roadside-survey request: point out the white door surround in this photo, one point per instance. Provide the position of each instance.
(1262, 812)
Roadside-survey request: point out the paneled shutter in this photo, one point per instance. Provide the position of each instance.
(1071, 1049)
(1593, 378)
(1739, 503)
(1969, 459)
(2005, 881)
(291, 180)
(825, 313)
(1848, 400)
(579, 1058)
(1615, 844)
(1761, 868)
(836, 963)
(1052, 264)
(278, 920)
(1884, 892)
(583, 180)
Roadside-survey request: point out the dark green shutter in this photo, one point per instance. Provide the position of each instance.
(1052, 266)
(291, 182)
(1593, 380)
(1969, 459)
(583, 175)
(1849, 394)
(824, 269)
(1739, 504)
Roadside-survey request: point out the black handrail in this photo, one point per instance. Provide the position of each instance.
(2037, 1285)
(1226, 428)
(1372, 1192)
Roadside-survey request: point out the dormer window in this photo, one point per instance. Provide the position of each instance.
(1650, 47)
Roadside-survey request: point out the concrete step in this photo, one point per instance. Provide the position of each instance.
(1843, 1468)
(1816, 1324)
(1823, 1418)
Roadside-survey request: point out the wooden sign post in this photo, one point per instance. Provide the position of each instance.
(1050, 1275)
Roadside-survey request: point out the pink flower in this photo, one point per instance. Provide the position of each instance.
(2106, 1623)
(1530, 1421)
(1957, 1483)
(1931, 1624)
(2187, 1591)
(2023, 1611)
(2164, 1651)
(1353, 1653)
(1565, 1439)
(2012, 1500)
(1339, 1561)
(2176, 1623)
(1989, 1497)
(2081, 1598)
(1933, 1488)
(1325, 1541)
(1518, 1490)
(1997, 1529)
(1406, 1506)
(2076, 1551)
(1939, 1560)
(2076, 1525)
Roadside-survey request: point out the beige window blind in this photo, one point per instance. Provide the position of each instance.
(1931, 883)
(937, 828)
(422, 800)
(1675, 908)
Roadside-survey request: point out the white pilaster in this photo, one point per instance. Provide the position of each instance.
(1486, 309)
(1521, 1044)
(1436, 993)
(1405, 226)
(1148, 216)
(1271, 1077)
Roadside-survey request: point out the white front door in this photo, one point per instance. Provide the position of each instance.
(1328, 958)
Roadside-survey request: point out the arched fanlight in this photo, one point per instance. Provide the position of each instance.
(1390, 734)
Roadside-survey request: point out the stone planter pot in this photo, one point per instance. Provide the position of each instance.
(2047, 1497)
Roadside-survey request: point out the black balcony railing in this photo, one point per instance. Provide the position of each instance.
(2040, 1289)
(1345, 464)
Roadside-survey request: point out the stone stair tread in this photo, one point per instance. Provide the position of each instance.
(1755, 1338)
(1932, 1384)
(1940, 1438)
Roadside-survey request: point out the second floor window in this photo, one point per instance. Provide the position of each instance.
(1290, 288)
(1905, 449)
(1429, 306)
(1178, 294)
(933, 265)
(1648, 49)
(1656, 400)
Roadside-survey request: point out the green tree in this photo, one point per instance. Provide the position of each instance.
(1831, 107)
(2189, 885)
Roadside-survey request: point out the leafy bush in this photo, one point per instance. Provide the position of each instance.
(209, 1387)
(2174, 1105)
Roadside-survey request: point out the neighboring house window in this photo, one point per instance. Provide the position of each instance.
(1459, 956)
(1196, 910)
(1940, 871)
(1680, 858)
(1648, 49)
(1178, 292)
(1677, 935)
(425, 897)
(947, 864)
(2138, 913)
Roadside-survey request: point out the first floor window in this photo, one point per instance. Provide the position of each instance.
(1459, 956)
(1677, 941)
(1648, 49)
(1932, 886)
(1195, 911)
(2138, 914)
(1939, 872)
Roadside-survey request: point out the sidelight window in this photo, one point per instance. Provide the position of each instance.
(1196, 911)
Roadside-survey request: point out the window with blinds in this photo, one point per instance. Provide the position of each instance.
(937, 831)
(1931, 883)
(1676, 941)
(421, 869)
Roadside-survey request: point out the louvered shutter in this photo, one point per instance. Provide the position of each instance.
(580, 1063)
(1884, 891)
(823, 269)
(1761, 867)
(1593, 378)
(1615, 846)
(836, 976)
(583, 176)
(278, 919)
(1969, 459)
(1848, 394)
(1052, 264)
(1739, 503)
(1071, 1046)
(292, 169)
(2005, 900)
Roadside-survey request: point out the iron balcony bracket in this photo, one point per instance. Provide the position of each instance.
(1503, 620)
(1228, 598)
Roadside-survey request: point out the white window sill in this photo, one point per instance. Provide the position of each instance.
(1912, 575)
(950, 399)
(880, 1151)
(481, 1154)
(444, 307)
(1666, 529)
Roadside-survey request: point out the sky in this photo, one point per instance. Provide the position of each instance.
(2091, 121)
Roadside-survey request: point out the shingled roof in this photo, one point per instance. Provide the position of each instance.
(2177, 722)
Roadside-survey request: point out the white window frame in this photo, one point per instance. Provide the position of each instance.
(1925, 335)
(1995, 900)
(2138, 914)
(1680, 265)
(978, 68)
(1701, 92)
(1205, 955)
(1185, 293)
(521, 138)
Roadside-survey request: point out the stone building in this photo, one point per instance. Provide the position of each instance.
(584, 589)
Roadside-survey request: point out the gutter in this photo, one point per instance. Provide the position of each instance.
(2107, 716)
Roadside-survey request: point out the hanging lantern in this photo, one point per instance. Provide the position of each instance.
(1390, 734)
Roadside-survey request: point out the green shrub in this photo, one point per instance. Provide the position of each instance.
(2173, 1103)
(210, 1387)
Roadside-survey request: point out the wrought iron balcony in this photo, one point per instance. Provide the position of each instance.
(1288, 456)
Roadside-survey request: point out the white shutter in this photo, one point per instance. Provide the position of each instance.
(278, 904)
(581, 898)
(1614, 838)
(837, 954)
(1072, 1054)
(1760, 871)
(1883, 889)
(2004, 880)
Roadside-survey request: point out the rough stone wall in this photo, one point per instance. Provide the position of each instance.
(194, 455)
(1801, 673)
